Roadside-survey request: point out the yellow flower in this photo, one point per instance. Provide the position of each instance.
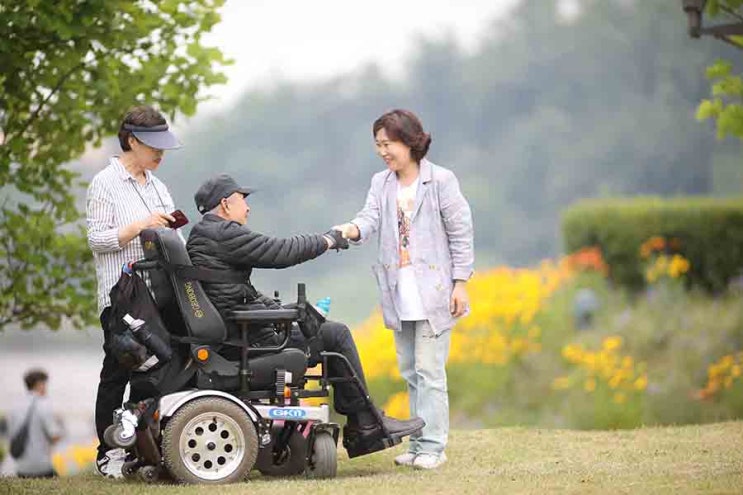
(398, 406)
(620, 398)
(641, 383)
(59, 464)
(612, 343)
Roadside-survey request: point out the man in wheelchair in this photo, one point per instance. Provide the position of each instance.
(221, 241)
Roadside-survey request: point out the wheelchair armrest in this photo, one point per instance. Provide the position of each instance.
(264, 315)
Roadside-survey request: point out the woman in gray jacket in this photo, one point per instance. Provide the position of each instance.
(425, 258)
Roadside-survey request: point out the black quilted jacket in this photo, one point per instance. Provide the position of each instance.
(225, 245)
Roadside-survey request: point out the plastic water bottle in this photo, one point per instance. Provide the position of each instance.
(323, 306)
(148, 339)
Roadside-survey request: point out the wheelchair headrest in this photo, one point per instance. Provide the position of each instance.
(202, 320)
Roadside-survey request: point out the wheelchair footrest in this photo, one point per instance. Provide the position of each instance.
(358, 444)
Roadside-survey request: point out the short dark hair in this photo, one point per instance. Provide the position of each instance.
(404, 126)
(33, 377)
(141, 115)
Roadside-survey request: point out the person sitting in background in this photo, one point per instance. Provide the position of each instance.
(43, 429)
(223, 241)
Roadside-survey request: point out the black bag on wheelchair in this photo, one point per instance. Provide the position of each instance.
(135, 348)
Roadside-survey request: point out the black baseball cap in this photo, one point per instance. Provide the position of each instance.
(157, 136)
(212, 191)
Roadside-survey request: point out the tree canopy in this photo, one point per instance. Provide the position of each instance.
(70, 70)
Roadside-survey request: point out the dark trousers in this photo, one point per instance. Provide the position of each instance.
(113, 380)
(336, 337)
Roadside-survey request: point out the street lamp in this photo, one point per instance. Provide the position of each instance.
(694, 10)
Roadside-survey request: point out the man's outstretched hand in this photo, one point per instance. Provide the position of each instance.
(335, 240)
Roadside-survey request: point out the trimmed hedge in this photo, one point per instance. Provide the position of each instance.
(710, 233)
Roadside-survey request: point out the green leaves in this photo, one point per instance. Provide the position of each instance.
(725, 106)
(70, 71)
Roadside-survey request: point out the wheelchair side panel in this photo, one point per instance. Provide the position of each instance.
(294, 413)
(170, 403)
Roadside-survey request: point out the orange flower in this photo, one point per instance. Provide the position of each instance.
(587, 258)
(655, 243)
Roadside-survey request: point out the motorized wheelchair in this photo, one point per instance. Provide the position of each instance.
(202, 418)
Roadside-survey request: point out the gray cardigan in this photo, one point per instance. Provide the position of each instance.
(441, 247)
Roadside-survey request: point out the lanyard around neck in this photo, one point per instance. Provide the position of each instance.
(136, 189)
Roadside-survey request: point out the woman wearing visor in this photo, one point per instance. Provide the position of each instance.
(123, 199)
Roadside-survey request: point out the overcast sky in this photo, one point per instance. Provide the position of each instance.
(305, 40)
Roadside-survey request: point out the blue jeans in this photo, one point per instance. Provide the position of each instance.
(421, 357)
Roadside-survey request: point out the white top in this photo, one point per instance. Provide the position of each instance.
(36, 458)
(115, 199)
(407, 295)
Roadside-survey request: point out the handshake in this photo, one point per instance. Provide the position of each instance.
(338, 236)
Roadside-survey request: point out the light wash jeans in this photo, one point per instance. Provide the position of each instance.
(421, 357)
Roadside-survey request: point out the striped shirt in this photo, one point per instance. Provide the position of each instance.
(115, 199)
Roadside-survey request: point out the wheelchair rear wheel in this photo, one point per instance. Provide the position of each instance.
(324, 459)
(209, 440)
(291, 462)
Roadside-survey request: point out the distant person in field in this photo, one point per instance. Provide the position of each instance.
(426, 256)
(43, 429)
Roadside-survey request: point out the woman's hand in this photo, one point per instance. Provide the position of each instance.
(460, 301)
(348, 231)
(155, 220)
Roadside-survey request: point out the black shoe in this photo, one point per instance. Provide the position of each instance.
(362, 439)
(402, 427)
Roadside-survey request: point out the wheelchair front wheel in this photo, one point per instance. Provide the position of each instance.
(291, 462)
(129, 469)
(209, 440)
(149, 474)
(324, 459)
(114, 437)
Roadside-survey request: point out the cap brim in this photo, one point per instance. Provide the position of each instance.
(161, 140)
(245, 191)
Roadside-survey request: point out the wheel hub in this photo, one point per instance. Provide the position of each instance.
(212, 446)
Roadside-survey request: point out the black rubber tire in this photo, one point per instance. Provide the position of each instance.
(241, 434)
(324, 460)
(129, 470)
(149, 474)
(295, 462)
(108, 437)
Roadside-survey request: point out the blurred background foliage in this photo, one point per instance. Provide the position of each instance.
(545, 111)
(665, 355)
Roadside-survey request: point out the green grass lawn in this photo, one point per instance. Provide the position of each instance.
(688, 459)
